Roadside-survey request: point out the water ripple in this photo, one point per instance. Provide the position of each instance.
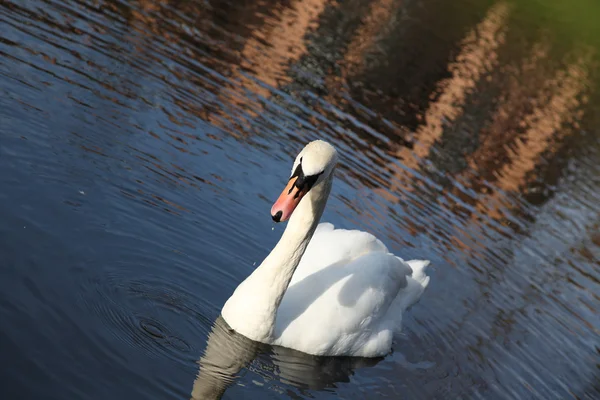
(145, 140)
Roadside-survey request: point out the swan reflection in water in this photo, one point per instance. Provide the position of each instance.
(227, 352)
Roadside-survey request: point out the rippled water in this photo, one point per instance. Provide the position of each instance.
(142, 144)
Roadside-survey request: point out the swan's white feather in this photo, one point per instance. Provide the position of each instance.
(330, 292)
(347, 295)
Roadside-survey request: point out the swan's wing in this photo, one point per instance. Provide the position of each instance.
(342, 309)
(339, 304)
(329, 246)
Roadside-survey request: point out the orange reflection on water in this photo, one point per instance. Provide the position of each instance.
(544, 124)
(545, 127)
(513, 103)
(478, 55)
(268, 54)
(374, 24)
(557, 104)
(278, 43)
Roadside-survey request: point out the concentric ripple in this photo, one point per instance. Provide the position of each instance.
(147, 313)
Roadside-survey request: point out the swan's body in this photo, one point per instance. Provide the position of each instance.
(346, 296)
(324, 291)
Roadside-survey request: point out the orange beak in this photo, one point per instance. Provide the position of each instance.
(287, 202)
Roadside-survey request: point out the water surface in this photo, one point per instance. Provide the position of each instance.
(142, 144)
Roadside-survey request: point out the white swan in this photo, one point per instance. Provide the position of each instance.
(339, 293)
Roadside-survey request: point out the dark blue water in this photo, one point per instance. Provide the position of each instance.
(142, 144)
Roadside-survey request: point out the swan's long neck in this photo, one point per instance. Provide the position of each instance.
(252, 309)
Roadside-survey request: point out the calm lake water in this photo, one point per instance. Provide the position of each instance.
(142, 144)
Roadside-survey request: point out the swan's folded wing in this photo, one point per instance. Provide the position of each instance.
(329, 246)
(339, 309)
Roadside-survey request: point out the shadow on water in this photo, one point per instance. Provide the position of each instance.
(142, 142)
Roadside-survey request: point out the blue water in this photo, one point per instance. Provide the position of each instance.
(143, 143)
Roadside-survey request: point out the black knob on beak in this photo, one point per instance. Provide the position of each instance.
(277, 216)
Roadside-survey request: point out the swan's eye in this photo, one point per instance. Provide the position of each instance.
(303, 182)
(306, 183)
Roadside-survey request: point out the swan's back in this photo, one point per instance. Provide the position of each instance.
(329, 246)
(347, 295)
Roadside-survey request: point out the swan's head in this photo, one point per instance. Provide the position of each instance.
(313, 165)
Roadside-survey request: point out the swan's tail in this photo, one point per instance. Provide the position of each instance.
(419, 267)
(416, 283)
(409, 295)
